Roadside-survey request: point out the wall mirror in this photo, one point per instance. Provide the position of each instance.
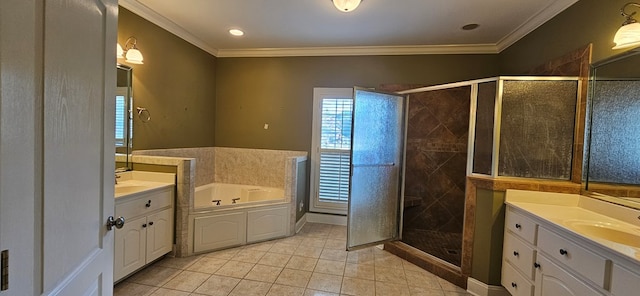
(612, 162)
(123, 117)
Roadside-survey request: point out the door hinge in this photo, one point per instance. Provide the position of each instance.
(4, 273)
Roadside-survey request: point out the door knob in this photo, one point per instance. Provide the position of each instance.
(118, 223)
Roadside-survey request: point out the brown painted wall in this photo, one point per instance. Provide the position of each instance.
(587, 21)
(176, 84)
(279, 91)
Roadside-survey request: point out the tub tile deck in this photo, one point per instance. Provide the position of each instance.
(307, 264)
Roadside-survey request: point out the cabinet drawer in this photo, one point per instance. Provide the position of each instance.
(144, 204)
(521, 226)
(624, 282)
(584, 262)
(518, 253)
(514, 282)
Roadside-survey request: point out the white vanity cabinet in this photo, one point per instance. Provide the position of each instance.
(148, 230)
(544, 256)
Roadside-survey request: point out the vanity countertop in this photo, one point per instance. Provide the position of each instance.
(613, 227)
(132, 183)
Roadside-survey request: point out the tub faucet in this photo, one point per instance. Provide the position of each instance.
(233, 200)
(217, 201)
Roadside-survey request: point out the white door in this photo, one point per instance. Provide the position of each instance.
(57, 145)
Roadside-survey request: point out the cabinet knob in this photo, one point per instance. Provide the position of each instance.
(563, 252)
(518, 226)
(515, 253)
(514, 285)
(144, 225)
(148, 205)
(536, 265)
(150, 223)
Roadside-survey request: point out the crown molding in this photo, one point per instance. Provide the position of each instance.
(161, 21)
(546, 14)
(529, 26)
(360, 50)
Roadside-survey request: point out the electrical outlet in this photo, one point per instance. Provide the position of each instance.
(301, 206)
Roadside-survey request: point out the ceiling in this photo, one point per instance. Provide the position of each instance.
(316, 27)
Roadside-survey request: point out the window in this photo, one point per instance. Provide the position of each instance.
(331, 149)
(121, 116)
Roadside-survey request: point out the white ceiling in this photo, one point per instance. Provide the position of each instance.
(316, 27)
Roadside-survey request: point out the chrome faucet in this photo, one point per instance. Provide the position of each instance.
(119, 170)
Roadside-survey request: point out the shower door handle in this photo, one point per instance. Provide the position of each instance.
(374, 164)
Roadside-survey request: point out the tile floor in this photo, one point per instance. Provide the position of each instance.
(311, 263)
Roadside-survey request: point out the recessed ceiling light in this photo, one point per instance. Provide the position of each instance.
(236, 32)
(469, 27)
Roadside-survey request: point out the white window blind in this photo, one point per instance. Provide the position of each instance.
(335, 149)
(121, 115)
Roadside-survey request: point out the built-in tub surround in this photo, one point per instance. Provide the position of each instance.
(268, 168)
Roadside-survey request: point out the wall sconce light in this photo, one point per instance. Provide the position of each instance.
(130, 51)
(629, 34)
(346, 5)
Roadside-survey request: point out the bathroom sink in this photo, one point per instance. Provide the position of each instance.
(607, 231)
(124, 189)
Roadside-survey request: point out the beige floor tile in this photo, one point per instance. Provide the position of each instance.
(217, 286)
(264, 246)
(169, 292)
(418, 291)
(207, 265)
(450, 293)
(313, 242)
(292, 240)
(249, 256)
(325, 282)
(223, 254)
(330, 267)
(360, 258)
(296, 278)
(391, 289)
(273, 259)
(335, 255)
(305, 251)
(283, 248)
(311, 292)
(186, 281)
(302, 263)
(422, 279)
(179, 263)
(235, 269)
(361, 271)
(390, 275)
(408, 266)
(282, 290)
(447, 286)
(336, 244)
(132, 289)
(389, 262)
(264, 273)
(251, 288)
(353, 286)
(338, 232)
(154, 275)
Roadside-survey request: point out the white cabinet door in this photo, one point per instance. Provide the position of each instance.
(552, 280)
(159, 234)
(130, 247)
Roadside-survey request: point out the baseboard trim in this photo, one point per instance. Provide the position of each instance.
(326, 219)
(300, 223)
(478, 288)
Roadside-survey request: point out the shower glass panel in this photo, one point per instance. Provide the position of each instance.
(536, 135)
(377, 157)
(483, 142)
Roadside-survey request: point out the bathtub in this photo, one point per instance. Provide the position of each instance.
(229, 215)
(221, 195)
